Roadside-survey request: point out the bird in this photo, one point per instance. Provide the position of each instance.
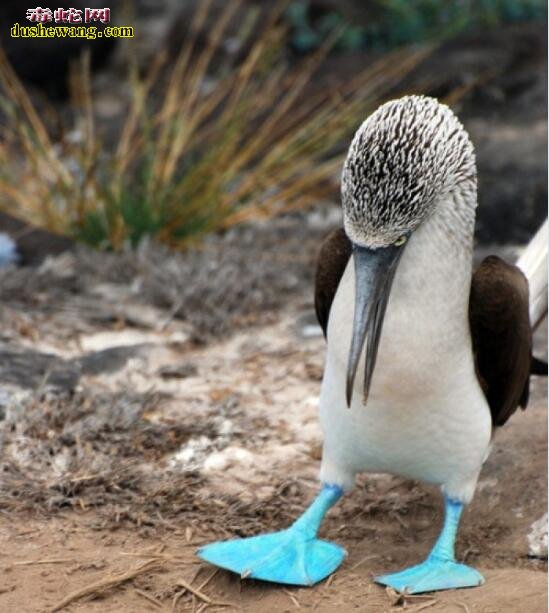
(426, 357)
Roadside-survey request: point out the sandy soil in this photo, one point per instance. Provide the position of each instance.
(79, 557)
(230, 446)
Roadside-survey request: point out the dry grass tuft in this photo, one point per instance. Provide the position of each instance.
(190, 159)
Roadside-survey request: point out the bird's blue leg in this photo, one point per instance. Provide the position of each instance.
(293, 556)
(439, 571)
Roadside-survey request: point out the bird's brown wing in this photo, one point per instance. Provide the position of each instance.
(332, 260)
(501, 335)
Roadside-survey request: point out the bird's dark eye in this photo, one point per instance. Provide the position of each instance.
(400, 240)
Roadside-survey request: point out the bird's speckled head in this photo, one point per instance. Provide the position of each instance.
(404, 158)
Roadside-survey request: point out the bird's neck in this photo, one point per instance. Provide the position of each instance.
(434, 275)
(448, 232)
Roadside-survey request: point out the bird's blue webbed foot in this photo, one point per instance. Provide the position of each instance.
(432, 575)
(293, 556)
(282, 557)
(439, 571)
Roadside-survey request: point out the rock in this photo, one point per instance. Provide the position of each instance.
(178, 371)
(29, 369)
(32, 245)
(108, 360)
(8, 250)
(537, 539)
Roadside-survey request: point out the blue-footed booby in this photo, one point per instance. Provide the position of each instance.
(424, 357)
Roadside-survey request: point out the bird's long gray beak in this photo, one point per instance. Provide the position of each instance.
(374, 273)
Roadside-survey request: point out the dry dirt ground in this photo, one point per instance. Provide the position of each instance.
(130, 444)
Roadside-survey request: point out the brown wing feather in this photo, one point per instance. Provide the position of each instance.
(501, 335)
(332, 260)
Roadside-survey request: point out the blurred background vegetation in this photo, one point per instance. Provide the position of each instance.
(222, 113)
(387, 24)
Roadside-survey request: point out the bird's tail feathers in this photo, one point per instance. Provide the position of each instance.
(533, 263)
(538, 367)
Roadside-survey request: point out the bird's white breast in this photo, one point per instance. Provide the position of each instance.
(426, 417)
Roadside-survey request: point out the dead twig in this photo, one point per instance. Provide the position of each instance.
(205, 599)
(100, 586)
(45, 561)
(399, 519)
(425, 605)
(401, 598)
(148, 597)
(160, 556)
(26, 532)
(292, 598)
(355, 566)
(176, 598)
(329, 582)
(205, 583)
